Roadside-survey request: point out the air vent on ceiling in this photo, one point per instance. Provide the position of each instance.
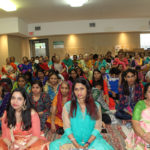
(37, 28)
(92, 24)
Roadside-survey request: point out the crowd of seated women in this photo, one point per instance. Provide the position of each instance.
(73, 98)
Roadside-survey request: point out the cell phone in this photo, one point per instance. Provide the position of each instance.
(104, 131)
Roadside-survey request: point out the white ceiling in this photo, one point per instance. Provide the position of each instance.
(33, 11)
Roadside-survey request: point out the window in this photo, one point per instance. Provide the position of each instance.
(145, 41)
(40, 45)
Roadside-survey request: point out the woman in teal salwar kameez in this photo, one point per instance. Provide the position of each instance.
(82, 120)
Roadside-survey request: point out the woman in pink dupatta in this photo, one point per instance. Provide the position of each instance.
(54, 122)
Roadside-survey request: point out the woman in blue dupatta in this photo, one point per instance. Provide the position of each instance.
(82, 121)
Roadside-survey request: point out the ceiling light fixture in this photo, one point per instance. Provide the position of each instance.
(76, 3)
(7, 5)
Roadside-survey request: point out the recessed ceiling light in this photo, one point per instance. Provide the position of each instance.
(76, 3)
(7, 5)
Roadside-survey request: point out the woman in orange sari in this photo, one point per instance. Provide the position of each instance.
(21, 125)
(54, 122)
(8, 70)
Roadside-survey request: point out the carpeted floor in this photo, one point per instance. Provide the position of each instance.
(115, 136)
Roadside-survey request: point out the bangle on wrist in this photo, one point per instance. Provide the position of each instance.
(88, 143)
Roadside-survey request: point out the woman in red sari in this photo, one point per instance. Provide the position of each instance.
(21, 125)
(54, 122)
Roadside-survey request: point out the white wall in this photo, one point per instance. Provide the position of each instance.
(102, 25)
(22, 27)
(8, 25)
(17, 25)
(13, 26)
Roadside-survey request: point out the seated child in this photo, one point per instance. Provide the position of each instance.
(113, 83)
(98, 96)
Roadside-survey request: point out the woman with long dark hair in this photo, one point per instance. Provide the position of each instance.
(73, 75)
(80, 72)
(21, 124)
(97, 77)
(82, 121)
(130, 92)
(41, 101)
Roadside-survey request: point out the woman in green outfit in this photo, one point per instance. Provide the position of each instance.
(82, 121)
(139, 138)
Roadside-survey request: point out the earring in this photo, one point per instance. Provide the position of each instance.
(24, 107)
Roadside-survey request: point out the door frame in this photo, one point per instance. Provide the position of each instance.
(32, 46)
